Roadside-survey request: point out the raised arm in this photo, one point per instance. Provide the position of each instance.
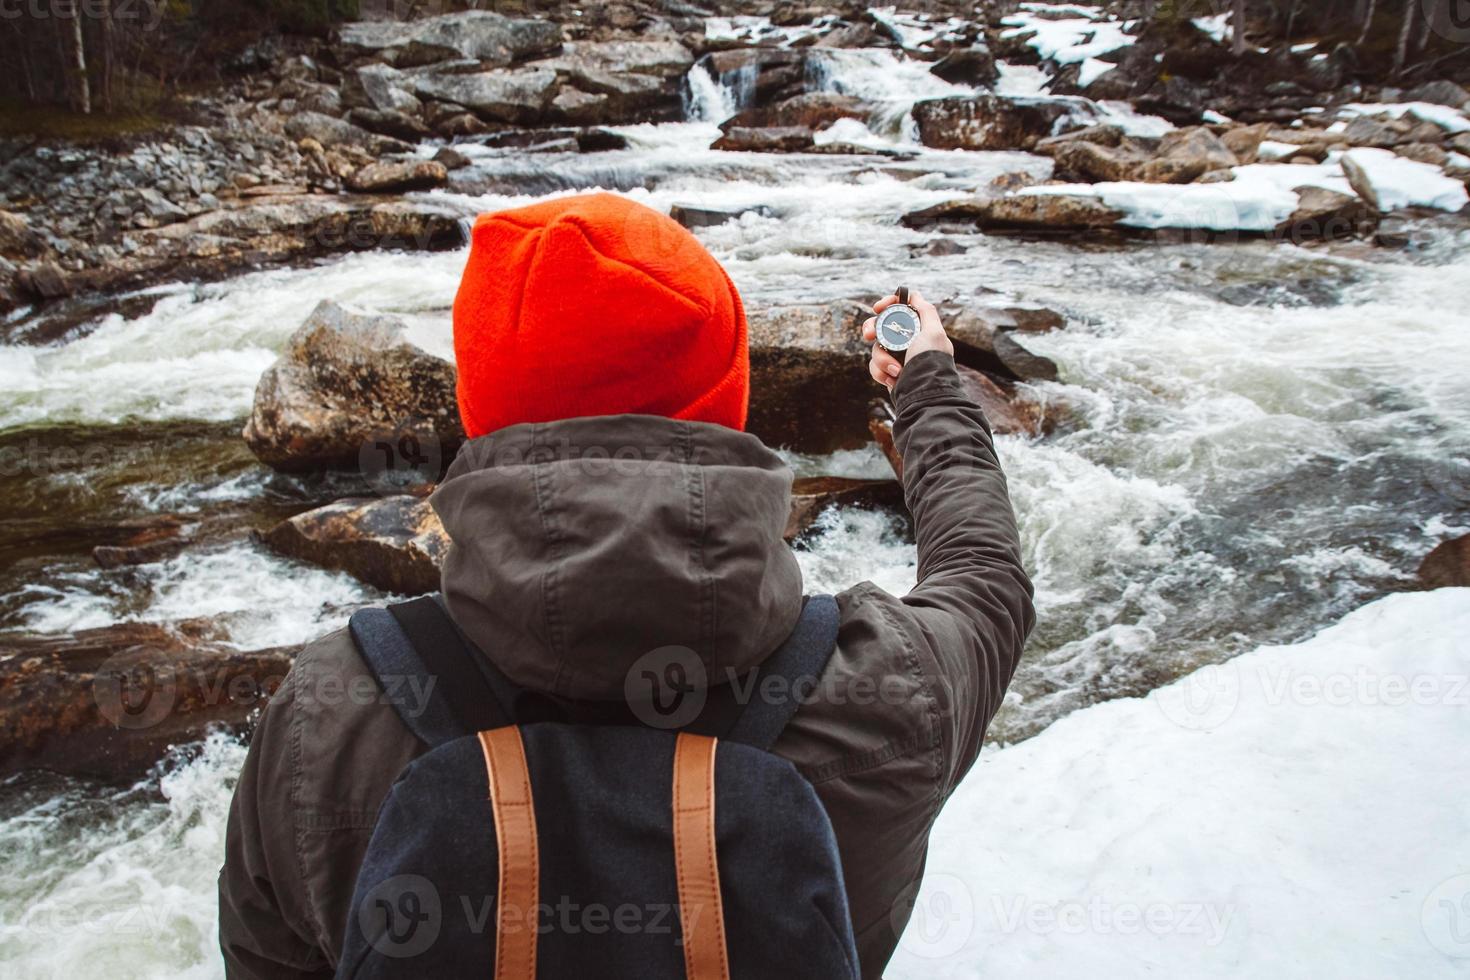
(972, 602)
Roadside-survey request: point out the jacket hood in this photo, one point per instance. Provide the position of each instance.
(579, 546)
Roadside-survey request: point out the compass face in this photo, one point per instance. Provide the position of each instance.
(898, 326)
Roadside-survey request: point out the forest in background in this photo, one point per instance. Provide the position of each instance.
(125, 56)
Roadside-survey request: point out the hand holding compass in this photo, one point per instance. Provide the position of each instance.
(905, 325)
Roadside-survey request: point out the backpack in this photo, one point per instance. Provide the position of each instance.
(538, 837)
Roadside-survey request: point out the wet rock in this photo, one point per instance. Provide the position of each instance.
(1430, 153)
(346, 381)
(1008, 409)
(814, 110)
(1186, 154)
(331, 132)
(387, 122)
(381, 88)
(1103, 134)
(1447, 566)
(1039, 214)
(945, 246)
(450, 159)
(396, 177)
(600, 141)
(1245, 141)
(111, 702)
(810, 496)
(880, 427)
(501, 95)
(696, 217)
(477, 34)
(620, 81)
(810, 386)
(1088, 162)
(44, 280)
(148, 545)
(967, 66)
(394, 543)
(1020, 363)
(1442, 92)
(17, 240)
(1326, 214)
(776, 139)
(990, 122)
(1379, 131)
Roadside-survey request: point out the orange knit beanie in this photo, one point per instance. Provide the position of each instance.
(595, 305)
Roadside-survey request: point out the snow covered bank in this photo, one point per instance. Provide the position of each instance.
(1296, 812)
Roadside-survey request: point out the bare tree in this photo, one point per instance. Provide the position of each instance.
(71, 48)
(1371, 8)
(1401, 50)
(1237, 17)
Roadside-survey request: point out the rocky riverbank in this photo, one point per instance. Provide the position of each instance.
(1062, 125)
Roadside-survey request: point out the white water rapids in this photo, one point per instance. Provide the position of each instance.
(1260, 439)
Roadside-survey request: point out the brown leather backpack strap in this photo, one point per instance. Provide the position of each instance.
(520, 866)
(700, 911)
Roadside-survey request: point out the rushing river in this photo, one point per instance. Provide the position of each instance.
(1258, 439)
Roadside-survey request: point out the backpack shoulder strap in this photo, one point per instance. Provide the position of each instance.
(799, 663)
(440, 686)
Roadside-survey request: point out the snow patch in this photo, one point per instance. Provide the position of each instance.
(1283, 813)
(1398, 182)
(1441, 115)
(1067, 41)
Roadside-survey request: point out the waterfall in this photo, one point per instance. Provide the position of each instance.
(706, 99)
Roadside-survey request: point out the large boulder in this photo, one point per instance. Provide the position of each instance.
(774, 139)
(348, 385)
(380, 87)
(813, 110)
(480, 35)
(810, 386)
(330, 131)
(1447, 566)
(1326, 214)
(393, 543)
(1036, 214)
(17, 239)
(1186, 154)
(1009, 409)
(1441, 92)
(1088, 162)
(994, 122)
(968, 66)
(111, 702)
(391, 177)
(620, 81)
(501, 95)
(388, 122)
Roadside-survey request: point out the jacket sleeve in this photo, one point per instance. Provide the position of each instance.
(972, 603)
(262, 929)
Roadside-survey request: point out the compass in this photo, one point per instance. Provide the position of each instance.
(898, 325)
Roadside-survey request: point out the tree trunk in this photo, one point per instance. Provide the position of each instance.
(1401, 51)
(1431, 14)
(106, 78)
(1237, 17)
(77, 56)
(1372, 9)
